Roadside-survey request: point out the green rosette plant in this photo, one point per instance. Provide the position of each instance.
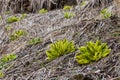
(23, 16)
(105, 13)
(60, 48)
(67, 8)
(34, 41)
(17, 34)
(12, 19)
(92, 52)
(7, 58)
(2, 74)
(68, 15)
(43, 11)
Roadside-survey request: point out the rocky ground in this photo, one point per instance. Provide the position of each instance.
(86, 25)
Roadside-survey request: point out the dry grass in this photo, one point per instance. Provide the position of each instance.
(31, 63)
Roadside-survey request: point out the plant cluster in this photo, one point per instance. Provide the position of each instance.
(34, 41)
(83, 3)
(67, 8)
(15, 19)
(43, 11)
(5, 59)
(8, 28)
(68, 15)
(1, 74)
(17, 34)
(92, 52)
(60, 48)
(23, 16)
(12, 19)
(105, 13)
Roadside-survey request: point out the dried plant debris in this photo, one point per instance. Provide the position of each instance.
(46, 46)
